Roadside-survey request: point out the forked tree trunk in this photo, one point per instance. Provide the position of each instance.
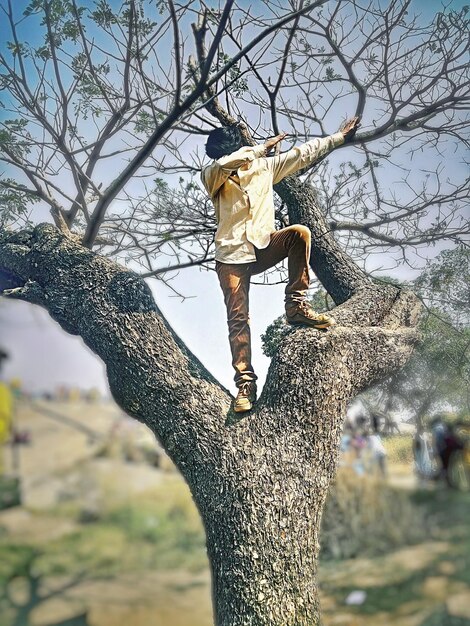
(259, 481)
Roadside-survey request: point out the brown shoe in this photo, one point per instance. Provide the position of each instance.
(246, 397)
(302, 314)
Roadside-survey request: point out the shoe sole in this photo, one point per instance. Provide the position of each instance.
(242, 409)
(306, 325)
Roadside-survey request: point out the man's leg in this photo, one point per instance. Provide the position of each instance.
(293, 242)
(235, 283)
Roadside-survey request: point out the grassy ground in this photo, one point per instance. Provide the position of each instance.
(143, 563)
(427, 584)
(109, 554)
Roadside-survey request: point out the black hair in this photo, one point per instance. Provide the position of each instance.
(222, 141)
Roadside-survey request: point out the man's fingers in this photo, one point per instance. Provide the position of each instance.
(274, 141)
(353, 121)
(352, 124)
(350, 127)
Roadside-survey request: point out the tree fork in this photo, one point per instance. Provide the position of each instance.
(259, 482)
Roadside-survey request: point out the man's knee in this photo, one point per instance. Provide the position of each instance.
(302, 232)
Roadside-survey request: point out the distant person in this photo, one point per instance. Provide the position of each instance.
(452, 444)
(376, 420)
(345, 444)
(378, 452)
(358, 444)
(345, 449)
(362, 420)
(439, 431)
(6, 411)
(422, 454)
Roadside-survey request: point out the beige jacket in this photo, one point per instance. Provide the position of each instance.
(241, 187)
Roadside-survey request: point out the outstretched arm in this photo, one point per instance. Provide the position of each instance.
(214, 175)
(302, 156)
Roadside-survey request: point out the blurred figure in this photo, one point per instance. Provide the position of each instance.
(376, 420)
(6, 412)
(452, 444)
(345, 447)
(358, 444)
(422, 454)
(439, 431)
(378, 453)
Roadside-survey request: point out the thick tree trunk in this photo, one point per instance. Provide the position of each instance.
(259, 482)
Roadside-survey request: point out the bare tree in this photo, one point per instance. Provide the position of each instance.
(89, 107)
(403, 190)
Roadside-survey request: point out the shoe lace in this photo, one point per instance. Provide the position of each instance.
(305, 307)
(245, 389)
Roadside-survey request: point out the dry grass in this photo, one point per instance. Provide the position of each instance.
(399, 449)
(365, 516)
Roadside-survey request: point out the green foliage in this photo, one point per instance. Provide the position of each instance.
(61, 17)
(103, 15)
(90, 87)
(273, 335)
(15, 201)
(16, 48)
(238, 84)
(96, 549)
(161, 530)
(143, 24)
(145, 122)
(331, 75)
(16, 560)
(441, 617)
(14, 138)
(168, 530)
(438, 373)
(43, 52)
(161, 185)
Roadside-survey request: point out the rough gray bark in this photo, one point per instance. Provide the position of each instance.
(259, 482)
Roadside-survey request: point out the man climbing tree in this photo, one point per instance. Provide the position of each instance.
(240, 181)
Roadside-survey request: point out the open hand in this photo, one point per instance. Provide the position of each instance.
(273, 142)
(350, 127)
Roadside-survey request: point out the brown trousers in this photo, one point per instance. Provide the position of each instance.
(292, 242)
